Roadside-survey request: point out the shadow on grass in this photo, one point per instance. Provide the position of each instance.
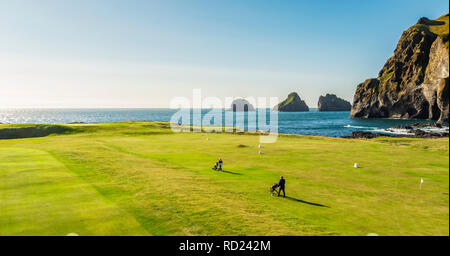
(234, 173)
(305, 202)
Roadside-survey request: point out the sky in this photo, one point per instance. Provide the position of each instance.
(143, 53)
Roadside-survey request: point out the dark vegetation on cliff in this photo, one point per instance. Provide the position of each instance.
(293, 103)
(414, 82)
(31, 131)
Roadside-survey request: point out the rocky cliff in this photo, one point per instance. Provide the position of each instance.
(241, 105)
(331, 102)
(414, 82)
(293, 103)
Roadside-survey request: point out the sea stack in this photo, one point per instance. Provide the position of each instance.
(293, 103)
(331, 102)
(414, 82)
(241, 105)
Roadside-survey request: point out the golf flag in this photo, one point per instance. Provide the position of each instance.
(421, 181)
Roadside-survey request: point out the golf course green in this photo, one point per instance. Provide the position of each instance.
(140, 178)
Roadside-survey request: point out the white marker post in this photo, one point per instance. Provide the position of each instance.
(421, 181)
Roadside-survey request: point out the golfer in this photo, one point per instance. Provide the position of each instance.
(220, 164)
(282, 184)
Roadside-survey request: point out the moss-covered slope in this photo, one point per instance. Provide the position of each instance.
(293, 103)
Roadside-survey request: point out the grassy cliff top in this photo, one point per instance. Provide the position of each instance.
(442, 28)
(291, 97)
(439, 26)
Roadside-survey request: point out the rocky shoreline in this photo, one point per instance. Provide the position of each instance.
(419, 130)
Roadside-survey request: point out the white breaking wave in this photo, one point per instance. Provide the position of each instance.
(393, 131)
(434, 129)
(359, 127)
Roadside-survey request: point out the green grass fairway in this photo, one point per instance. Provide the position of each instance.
(139, 178)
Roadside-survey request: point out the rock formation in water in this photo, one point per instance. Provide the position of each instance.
(293, 103)
(414, 82)
(331, 102)
(241, 105)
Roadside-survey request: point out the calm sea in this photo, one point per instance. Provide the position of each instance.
(332, 124)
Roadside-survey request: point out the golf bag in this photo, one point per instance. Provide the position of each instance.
(273, 188)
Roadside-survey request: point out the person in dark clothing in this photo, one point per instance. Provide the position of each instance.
(220, 164)
(282, 184)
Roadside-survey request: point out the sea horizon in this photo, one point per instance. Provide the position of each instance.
(312, 123)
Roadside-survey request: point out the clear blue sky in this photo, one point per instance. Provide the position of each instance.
(110, 53)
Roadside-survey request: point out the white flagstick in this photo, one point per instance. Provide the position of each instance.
(421, 181)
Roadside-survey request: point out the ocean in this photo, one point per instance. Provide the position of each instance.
(315, 123)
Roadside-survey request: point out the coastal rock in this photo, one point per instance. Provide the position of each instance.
(420, 125)
(414, 82)
(331, 102)
(403, 127)
(443, 99)
(414, 131)
(424, 134)
(416, 134)
(365, 135)
(293, 103)
(241, 105)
